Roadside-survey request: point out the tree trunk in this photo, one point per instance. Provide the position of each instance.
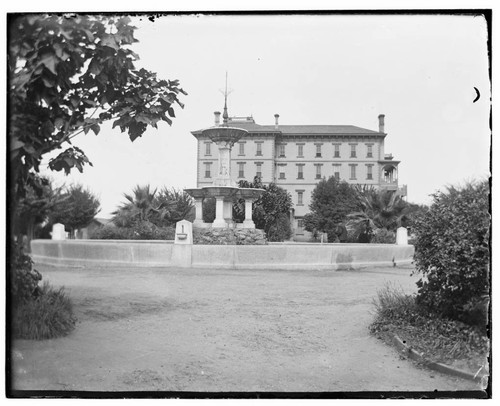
(30, 235)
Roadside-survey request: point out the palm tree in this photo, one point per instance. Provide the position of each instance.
(139, 207)
(161, 209)
(380, 210)
(173, 205)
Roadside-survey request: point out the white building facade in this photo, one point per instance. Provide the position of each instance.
(297, 157)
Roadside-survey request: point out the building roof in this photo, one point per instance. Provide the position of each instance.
(325, 129)
(253, 127)
(101, 220)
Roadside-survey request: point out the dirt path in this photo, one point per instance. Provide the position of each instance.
(213, 330)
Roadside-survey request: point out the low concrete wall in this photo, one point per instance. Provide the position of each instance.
(103, 253)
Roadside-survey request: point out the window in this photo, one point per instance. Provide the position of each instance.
(241, 169)
(241, 150)
(281, 150)
(281, 171)
(300, 171)
(369, 151)
(336, 152)
(300, 223)
(300, 150)
(300, 198)
(207, 148)
(336, 171)
(353, 171)
(208, 167)
(259, 149)
(258, 169)
(318, 150)
(369, 172)
(353, 150)
(318, 171)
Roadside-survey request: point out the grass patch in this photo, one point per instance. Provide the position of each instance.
(441, 340)
(49, 315)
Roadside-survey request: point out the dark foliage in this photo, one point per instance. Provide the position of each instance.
(49, 315)
(331, 202)
(452, 251)
(209, 210)
(76, 208)
(23, 278)
(35, 208)
(142, 230)
(383, 236)
(380, 210)
(440, 339)
(68, 74)
(270, 211)
(175, 205)
(162, 209)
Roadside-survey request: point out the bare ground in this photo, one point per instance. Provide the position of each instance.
(216, 330)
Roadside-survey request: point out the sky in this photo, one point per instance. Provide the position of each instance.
(418, 70)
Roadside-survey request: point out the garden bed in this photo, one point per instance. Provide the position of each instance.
(450, 342)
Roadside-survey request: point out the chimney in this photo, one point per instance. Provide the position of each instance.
(217, 117)
(381, 123)
(276, 123)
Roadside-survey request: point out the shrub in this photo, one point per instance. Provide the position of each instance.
(50, 315)
(23, 278)
(139, 231)
(111, 232)
(393, 304)
(383, 236)
(452, 252)
(281, 229)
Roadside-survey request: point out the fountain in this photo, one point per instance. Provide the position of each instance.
(224, 189)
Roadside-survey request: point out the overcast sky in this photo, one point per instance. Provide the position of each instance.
(420, 71)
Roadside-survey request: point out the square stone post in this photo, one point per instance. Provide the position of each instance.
(198, 206)
(219, 213)
(402, 236)
(58, 232)
(248, 222)
(228, 212)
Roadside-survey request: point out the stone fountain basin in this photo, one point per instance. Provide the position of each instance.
(225, 192)
(224, 134)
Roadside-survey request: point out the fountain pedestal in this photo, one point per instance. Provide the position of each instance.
(224, 190)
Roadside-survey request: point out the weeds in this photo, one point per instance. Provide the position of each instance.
(50, 315)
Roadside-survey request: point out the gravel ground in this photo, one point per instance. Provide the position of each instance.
(217, 330)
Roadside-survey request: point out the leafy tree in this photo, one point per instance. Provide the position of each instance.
(76, 208)
(35, 208)
(331, 202)
(68, 74)
(380, 209)
(452, 252)
(270, 210)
